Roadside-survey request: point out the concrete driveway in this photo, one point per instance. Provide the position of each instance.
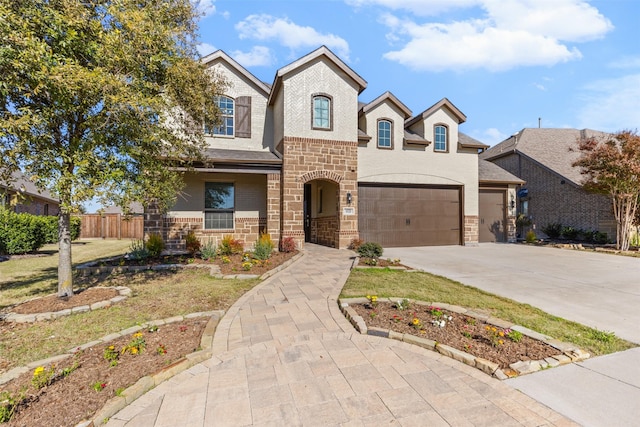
(598, 290)
(595, 289)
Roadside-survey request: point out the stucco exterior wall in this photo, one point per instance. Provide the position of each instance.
(414, 164)
(261, 121)
(320, 77)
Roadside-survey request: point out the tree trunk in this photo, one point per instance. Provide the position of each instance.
(65, 273)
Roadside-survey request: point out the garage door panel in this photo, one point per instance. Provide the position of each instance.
(410, 216)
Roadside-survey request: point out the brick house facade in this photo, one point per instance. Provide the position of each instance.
(22, 196)
(554, 194)
(292, 159)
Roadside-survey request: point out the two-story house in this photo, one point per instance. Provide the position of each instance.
(303, 158)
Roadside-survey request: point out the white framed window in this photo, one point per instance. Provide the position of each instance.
(321, 112)
(219, 205)
(385, 128)
(226, 106)
(441, 138)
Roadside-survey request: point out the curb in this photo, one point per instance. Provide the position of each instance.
(569, 353)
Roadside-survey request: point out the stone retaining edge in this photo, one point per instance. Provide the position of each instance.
(569, 352)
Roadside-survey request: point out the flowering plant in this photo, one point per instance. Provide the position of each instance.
(136, 345)
(98, 385)
(373, 300)
(42, 377)
(495, 335)
(416, 323)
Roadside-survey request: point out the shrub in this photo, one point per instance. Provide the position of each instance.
(370, 250)
(355, 244)
(569, 233)
(263, 247)
(553, 230)
(50, 228)
(600, 237)
(20, 233)
(531, 236)
(138, 250)
(192, 242)
(208, 251)
(155, 245)
(288, 244)
(229, 246)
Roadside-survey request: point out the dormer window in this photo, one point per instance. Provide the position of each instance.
(226, 106)
(441, 138)
(384, 133)
(321, 112)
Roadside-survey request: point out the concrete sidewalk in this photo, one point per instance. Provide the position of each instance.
(285, 355)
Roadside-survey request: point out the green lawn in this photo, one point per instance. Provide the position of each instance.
(430, 288)
(31, 276)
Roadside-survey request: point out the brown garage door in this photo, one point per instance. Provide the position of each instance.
(409, 215)
(492, 211)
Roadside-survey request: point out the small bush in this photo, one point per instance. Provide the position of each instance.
(208, 251)
(263, 247)
(553, 230)
(531, 236)
(20, 233)
(155, 245)
(50, 228)
(192, 242)
(355, 244)
(229, 246)
(569, 233)
(138, 250)
(600, 237)
(288, 244)
(370, 250)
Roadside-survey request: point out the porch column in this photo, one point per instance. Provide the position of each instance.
(154, 221)
(273, 206)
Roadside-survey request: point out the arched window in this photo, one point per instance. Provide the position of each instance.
(227, 114)
(321, 112)
(384, 134)
(441, 138)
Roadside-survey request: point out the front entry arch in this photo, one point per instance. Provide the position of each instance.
(321, 212)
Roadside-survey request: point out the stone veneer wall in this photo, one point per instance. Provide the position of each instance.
(512, 232)
(471, 230)
(323, 230)
(246, 229)
(306, 159)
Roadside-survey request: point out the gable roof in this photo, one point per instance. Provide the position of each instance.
(465, 141)
(443, 103)
(321, 51)
(22, 184)
(387, 96)
(490, 173)
(555, 149)
(219, 54)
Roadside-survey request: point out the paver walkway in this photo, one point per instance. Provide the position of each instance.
(285, 356)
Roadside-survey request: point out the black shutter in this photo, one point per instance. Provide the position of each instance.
(243, 117)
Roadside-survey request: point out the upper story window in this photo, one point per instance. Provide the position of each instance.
(321, 112)
(384, 134)
(441, 138)
(226, 106)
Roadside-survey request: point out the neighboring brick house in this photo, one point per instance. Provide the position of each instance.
(303, 158)
(22, 196)
(553, 192)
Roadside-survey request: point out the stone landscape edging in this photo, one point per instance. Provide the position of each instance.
(123, 293)
(569, 353)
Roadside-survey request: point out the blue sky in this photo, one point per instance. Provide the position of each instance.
(503, 63)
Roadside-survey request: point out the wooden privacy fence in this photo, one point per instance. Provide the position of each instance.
(112, 226)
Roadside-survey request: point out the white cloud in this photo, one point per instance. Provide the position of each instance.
(612, 104)
(540, 86)
(626, 62)
(205, 7)
(417, 7)
(258, 56)
(205, 49)
(289, 34)
(506, 35)
(490, 136)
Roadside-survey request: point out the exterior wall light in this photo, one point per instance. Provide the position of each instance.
(349, 198)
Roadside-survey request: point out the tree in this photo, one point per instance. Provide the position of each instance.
(612, 167)
(99, 98)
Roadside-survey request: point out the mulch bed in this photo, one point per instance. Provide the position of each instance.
(460, 332)
(67, 400)
(232, 264)
(52, 303)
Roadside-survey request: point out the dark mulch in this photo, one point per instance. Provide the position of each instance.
(52, 303)
(461, 332)
(232, 264)
(71, 399)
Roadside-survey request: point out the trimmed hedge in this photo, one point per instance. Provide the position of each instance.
(22, 233)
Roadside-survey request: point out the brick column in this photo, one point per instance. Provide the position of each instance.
(154, 221)
(471, 230)
(273, 206)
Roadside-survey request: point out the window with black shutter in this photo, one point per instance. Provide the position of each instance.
(243, 117)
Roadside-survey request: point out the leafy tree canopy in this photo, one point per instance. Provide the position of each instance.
(611, 166)
(100, 98)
